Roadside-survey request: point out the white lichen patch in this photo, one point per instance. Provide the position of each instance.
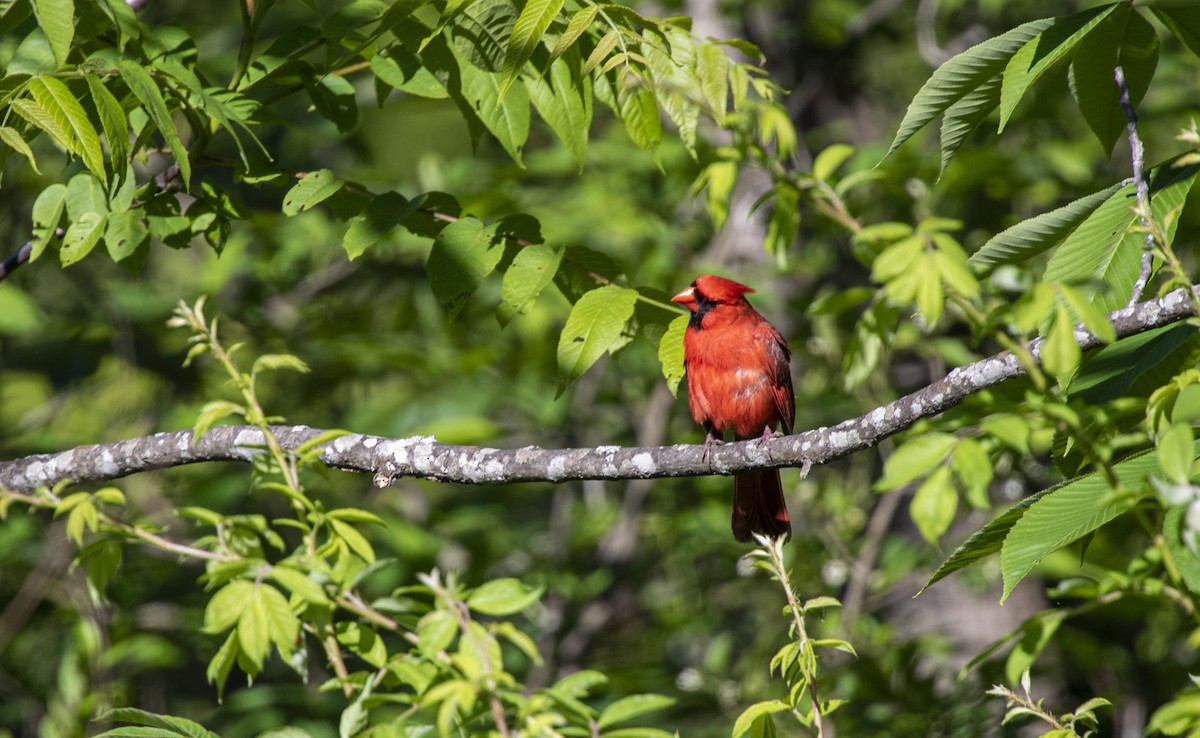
(556, 468)
(106, 464)
(644, 463)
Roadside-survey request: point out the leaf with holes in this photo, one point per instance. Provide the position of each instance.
(596, 322)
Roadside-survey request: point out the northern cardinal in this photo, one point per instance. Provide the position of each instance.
(739, 379)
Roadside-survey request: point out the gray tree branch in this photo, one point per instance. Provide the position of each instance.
(425, 457)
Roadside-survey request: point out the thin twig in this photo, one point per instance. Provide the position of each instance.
(1137, 155)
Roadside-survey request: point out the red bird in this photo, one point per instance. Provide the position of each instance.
(739, 379)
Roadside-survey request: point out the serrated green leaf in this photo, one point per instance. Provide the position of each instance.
(1108, 244)
(1065, 514)
(53, 95)
(507, 119)
(712, 73)
(965, 115)
(531, 271)
(146, 91)
(1035, 634)
(463, 254)
(175, 725)
(299, 584)
(527, 33)
(399, 68)
(603, 48)
(962, 75)
(1034, 58)
(56, 18)
(112, 120)
(502, 597)
(1038, 234)
(333, 97)
(565, 103)
(639, 114)
(596, 321)
(1124, 39)
(12, 138)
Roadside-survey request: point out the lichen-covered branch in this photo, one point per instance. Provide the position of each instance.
(424, 457)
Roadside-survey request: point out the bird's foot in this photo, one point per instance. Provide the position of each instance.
(709, 441)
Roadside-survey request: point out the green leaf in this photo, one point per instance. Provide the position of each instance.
(502, 597)
(1060, 354)
(1127, 39)
(830, 159)
(754, 713)
(1174, 525)
(170, 723)
(1094, 319)
(1040, 53)
(299, 584)
(56, 18)
(527, 33)
(399, 68)
(916, 457)
(113, 121)
(82, 236)
(1065, 514)
(603, 48)
(47, 214)
(1035, 634)
(312, 188)
(275, 362)
(355, 540)
(12, 138)
(961, 76)
(565, 102)
(1038, 234)
(57, 99)
(1108, 244)
(630, 707)
(974, 469)
(576, 27)
(221, 664)
(596, 322)
(144, 88)
(639, 113)
(1184, 22)
(1175, 453)
(531, 271)
(965, 115)
(333, 97)
(463, 254)
(712, 72)
(670, 352)
(211, 413)
(384, 213)
(435, 632)
(226, 606)
(934, 505)
(508, 120)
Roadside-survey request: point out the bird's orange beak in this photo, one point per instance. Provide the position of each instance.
(686, 297)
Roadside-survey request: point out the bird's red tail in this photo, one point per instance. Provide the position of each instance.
(758, 505)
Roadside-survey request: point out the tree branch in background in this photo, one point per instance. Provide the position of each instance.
(425, 457)
(1137, 155)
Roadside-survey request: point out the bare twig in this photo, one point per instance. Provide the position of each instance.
(1137, 155)
(423, 456)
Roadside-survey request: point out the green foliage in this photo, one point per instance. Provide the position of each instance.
(269, 133)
